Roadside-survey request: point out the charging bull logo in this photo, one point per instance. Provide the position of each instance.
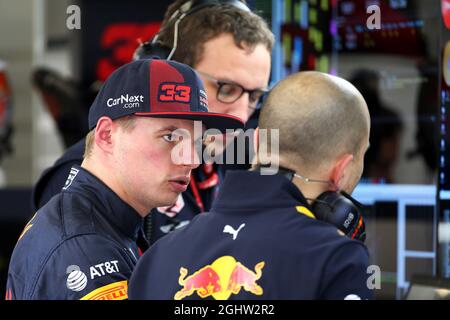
(225, 276)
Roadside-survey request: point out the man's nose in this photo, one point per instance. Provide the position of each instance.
(191, 157)
(196, 159)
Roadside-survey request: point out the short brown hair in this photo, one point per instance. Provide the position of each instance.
(247, 29)
(127, 123)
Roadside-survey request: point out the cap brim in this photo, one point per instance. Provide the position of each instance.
(211, 120)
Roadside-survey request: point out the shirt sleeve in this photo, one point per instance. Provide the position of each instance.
(345, 275)
(88, 267)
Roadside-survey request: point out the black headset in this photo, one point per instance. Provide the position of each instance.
(343, 211)
(153, 49)
(338, 208)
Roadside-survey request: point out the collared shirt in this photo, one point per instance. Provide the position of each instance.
(81, 245)
(259, 241)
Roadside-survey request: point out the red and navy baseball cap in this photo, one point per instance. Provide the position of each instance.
(159, 89)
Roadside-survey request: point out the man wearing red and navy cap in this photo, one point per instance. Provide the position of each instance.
(84, 243)
(230, 47)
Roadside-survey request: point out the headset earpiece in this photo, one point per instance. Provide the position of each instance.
(153, 49)
(340, 210)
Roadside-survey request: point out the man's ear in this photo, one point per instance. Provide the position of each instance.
(103, 134)
(339, 170)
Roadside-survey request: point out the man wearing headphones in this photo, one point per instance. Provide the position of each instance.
(278, 235)
(230, 47)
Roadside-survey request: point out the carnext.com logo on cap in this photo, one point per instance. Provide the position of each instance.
(128, 101)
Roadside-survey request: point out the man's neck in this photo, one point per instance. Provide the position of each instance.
(310, 190)
(104, 174)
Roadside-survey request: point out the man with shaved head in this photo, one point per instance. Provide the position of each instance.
(290, 233)
(323, 124)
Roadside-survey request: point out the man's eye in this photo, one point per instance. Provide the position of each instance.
(229, 90)
(169, 137)
(255, 96)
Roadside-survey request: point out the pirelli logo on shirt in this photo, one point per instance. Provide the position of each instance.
(113, 291)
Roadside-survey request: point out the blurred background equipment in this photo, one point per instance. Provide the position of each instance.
(6, 125)
(104, 43)
(65, 102)
(428, 288)
(6, 108)
(386, 129)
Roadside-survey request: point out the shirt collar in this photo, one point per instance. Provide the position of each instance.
(249, 189)
(116, 211)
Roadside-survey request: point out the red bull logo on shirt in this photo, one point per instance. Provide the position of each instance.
(225, 276)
